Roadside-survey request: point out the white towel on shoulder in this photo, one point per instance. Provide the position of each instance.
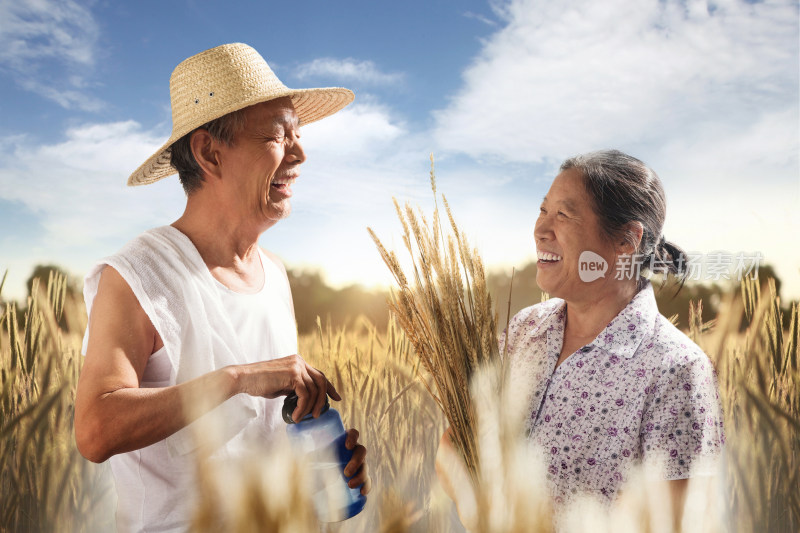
(178, 294)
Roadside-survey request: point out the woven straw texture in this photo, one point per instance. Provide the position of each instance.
(222, 80)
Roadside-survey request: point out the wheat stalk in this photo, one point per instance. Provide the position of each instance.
(46, 486)
(446, 314)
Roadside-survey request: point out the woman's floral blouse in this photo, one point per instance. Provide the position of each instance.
(641, 391)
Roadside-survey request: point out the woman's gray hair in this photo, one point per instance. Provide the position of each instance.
(223, 129)
(623, 190)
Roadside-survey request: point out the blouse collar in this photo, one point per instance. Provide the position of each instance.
(631, 326)
(624, 334)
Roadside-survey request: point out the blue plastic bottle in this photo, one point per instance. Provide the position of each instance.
(321, 440)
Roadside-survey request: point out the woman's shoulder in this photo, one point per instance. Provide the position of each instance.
(530, 323)
(534, 316)
(673, 351)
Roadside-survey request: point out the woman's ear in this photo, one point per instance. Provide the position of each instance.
(204, 150)
(634, 230)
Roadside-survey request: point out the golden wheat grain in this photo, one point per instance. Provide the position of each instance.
(46, 486)
(446, 314)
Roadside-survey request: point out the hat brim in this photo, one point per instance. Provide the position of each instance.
(310, 105)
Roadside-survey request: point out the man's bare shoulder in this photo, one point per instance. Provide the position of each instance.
(112, 284)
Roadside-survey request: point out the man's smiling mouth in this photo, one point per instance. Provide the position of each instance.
(283, 184)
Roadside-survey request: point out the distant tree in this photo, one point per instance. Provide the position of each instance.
(670, 300)
(72, 291)
(524, 293)
(43, 273)
(313, 297)
(766, 272)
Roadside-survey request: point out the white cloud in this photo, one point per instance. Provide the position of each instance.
(48, 46)
(357, 129)
(76, 207)
(704, 92)
(565, 77)
(347, 70)
(737, 191)
(77, 187)
(481, 18)
(66, 98)
(710, 115)
(357, 160)
(36, 29)
(75, 191)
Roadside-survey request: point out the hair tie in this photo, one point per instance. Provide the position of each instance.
(661, 242)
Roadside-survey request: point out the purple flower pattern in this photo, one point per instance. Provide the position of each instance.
(641, 390)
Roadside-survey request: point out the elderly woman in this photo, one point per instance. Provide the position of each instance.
(610, 381)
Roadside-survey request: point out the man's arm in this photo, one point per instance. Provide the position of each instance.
(113, 415)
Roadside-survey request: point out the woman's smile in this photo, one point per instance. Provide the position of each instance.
(546, 258)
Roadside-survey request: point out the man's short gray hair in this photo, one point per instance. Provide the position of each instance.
(223, 129)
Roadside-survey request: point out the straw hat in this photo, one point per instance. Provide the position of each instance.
(222, 80)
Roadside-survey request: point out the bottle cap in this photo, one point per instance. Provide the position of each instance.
(290, 403)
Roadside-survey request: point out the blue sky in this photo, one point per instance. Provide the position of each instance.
(501, 92)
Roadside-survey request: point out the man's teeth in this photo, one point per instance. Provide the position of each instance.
(284, 181)
(547, 256)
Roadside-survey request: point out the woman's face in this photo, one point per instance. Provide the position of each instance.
(566, 228)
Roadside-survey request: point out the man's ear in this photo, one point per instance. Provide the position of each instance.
(635, 230)
(204, 150)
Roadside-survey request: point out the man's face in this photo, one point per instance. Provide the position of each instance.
(264, 161)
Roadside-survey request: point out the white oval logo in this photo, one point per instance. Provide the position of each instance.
(591, 266)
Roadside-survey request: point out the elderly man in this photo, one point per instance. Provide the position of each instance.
(194, 323)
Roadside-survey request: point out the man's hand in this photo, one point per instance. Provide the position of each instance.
(357, 467)
(280, 377)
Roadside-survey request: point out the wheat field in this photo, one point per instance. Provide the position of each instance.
(46, 486)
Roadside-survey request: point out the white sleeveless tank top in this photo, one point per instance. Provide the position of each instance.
(154, 487)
